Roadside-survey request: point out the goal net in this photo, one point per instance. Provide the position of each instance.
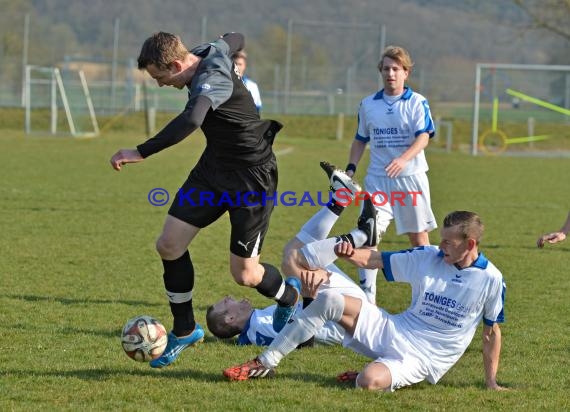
(521, 108)
(58, 102)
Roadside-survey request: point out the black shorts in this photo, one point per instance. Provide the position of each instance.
(247, 194)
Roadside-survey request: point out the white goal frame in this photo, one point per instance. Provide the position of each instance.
(56, 85)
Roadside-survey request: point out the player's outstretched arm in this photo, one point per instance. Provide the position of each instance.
(363, 258)
(491, 354)
(555, 237)
(125, 156)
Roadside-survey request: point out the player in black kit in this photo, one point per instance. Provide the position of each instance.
(235, 172)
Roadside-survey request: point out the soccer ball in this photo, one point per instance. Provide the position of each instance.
(144, 338)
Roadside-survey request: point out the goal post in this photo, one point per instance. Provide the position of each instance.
(49, 94)
(520, 107)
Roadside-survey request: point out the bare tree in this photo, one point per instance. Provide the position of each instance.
(550, 15)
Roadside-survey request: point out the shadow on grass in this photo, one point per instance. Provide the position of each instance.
(107, 373)
(81, 301)
(209, 377)
(197, 375)
(68, 331)
(479, 385)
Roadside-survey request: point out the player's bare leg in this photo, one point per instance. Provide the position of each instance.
(246, 271)
(267, 280)
(175, 238)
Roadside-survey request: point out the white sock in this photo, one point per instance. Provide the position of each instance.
(329, 305)
(359, 237)
(368, 283)
(320, 225)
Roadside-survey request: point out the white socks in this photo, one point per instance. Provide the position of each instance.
(359, 237)
(320, 224)
(368, 283)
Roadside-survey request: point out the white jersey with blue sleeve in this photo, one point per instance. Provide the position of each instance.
(391, 128)
(447, 303)
(259, 329)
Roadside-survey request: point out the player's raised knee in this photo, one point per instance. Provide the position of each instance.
(293, 260)
(375, 377)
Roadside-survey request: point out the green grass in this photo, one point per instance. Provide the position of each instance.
(78, 260)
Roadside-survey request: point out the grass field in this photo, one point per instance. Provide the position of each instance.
(78, 260)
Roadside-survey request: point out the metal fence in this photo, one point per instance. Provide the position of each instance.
(126, 93)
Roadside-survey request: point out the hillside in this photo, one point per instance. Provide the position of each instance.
(334, 41)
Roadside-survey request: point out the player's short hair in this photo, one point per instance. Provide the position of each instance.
(217, 326)
(398, 54)
(240, 54)
(469, 224)
(161, 49)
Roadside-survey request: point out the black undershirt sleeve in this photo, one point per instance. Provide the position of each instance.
(178, 128)
(236, 41)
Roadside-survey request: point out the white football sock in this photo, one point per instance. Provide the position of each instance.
(320, 225)
(368, 283)
(359, 237)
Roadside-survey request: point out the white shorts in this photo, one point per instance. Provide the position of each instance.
(405, 199)
(341, 283)
(376, 337)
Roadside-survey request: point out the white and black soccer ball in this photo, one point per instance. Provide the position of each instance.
(143, 338)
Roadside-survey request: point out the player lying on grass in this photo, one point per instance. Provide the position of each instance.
(555, 237)
(228, 317)
(454, 287)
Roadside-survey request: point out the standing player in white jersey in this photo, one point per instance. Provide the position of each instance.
(453, 286)
(397, 123)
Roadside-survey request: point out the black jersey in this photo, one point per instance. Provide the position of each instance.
(236, 136)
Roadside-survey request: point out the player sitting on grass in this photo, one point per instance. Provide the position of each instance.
(454, 287)
(228, 317)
